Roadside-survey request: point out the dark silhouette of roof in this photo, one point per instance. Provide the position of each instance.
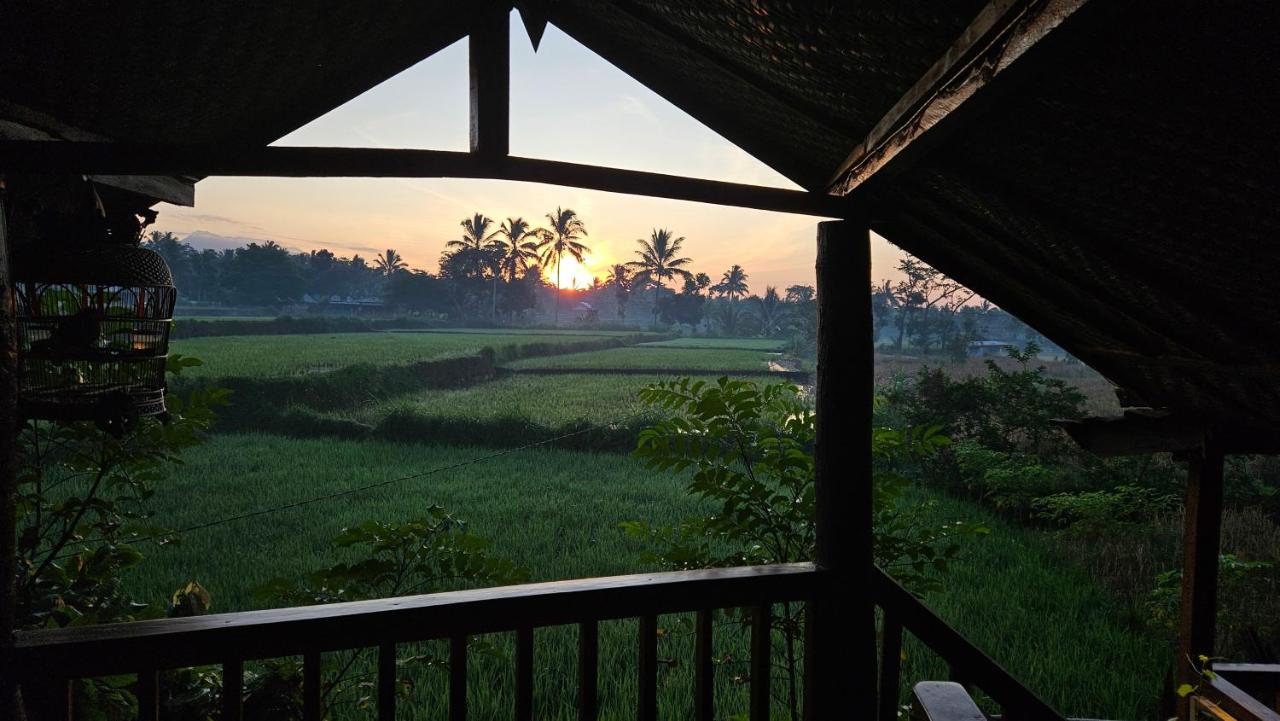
(1119, 193)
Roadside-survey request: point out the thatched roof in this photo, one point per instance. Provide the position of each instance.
(1121, 198)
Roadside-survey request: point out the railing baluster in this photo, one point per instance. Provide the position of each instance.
(311, 686)
(588, 670)
(704, 679)
(890, 667)
(647, 704)
(387, 682)
(761, 661)
(232, 689)
(149, 695)
(524, 674)
(54, 698)
(458, 678)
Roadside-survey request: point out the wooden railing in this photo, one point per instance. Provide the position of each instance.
(1241, 691)
(970, 666)
(50, 659)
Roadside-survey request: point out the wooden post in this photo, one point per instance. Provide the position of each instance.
(1201, 544)
(842, 649)
(489, 50)
(8, 471)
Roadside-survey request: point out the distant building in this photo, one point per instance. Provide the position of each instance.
(990, 348)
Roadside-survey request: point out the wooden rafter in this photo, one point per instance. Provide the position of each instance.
(300, 162)
(490, 69)
(1007, 34)
(1139, 432)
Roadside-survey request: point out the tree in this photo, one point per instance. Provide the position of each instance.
(923, 288)
(417, 291)
(389, 263)
(733, 283)
(476, 254)
(516, 244)
(564, 236)
(620, 279)
(659, 261)
(770, 312)
(264, 275)
(800, 294)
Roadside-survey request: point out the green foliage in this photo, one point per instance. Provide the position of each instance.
(82, 498)
(427, 555)
(750, 450)
(1244, 586)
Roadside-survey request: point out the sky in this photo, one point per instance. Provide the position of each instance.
(566, 104)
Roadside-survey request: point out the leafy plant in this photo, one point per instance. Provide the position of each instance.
(750, 451)
(427, 555)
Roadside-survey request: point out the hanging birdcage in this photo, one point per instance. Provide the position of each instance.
(93, 333)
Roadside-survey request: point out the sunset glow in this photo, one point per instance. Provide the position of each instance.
(572, 274)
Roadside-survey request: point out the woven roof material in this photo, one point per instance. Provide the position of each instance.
(1123, 201)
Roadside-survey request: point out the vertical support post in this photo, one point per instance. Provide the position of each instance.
(8, 471)
(842, 653)
(1201, 544)
(490, 63)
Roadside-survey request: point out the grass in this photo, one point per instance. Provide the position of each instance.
(542, 400)
(276, 356)
(764, 344)
(556, 512)
(658, 359)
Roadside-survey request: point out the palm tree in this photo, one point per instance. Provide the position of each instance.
(562, 237)
(732, 284)
(389, 262)
(475, 250)
(770, 312)
(659, 262)
(516, 243)
(620, 279)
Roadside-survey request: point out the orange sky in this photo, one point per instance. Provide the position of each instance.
(567, 104)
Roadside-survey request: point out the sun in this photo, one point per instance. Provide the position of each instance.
(573, 274)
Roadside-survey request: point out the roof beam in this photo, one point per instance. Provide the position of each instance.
(1139, 432)
(1006, 35)
(489, 54)
(312, 162)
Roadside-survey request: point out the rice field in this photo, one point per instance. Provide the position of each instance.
(761, 344)
(546, 400)
(286, 355)
(556, 512)
(658, 359)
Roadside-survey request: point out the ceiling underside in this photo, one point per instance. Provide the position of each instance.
(1123, 200)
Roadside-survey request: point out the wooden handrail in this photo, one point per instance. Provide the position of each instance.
(1233, 699)
(121, 648)
(902, 608)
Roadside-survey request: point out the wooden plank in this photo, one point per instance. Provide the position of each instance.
(843, 654)
(1201, 544)
(1236, 702)
(179, 642)
(951, 91)
(524, 673)
(312, 683)
(647, 702)
(458, 678)
(232, 689)
(10, 664)
(704, 673)
(1143, 432)
(1015, 699)
(148, 693)
(489, 60)
(387, 682)
(943, 701)
(316, 162)
(588, 670)
(761, 662)
(890, 666)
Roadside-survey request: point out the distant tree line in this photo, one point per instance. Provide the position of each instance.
(508, 272)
